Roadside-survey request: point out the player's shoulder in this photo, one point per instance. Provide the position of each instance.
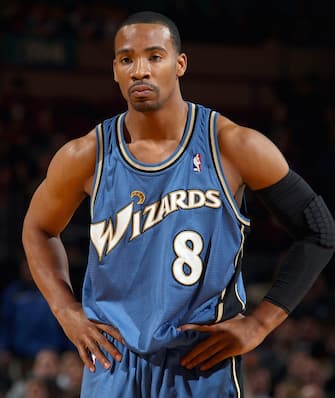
(255, 157)
(79, 149)
(74, 162)
(234, 137)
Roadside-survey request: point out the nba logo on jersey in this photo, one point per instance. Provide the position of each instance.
(197, 162)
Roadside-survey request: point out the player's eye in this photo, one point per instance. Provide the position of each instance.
(125, 60)
(155, 57)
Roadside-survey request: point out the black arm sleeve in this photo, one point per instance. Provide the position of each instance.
(307, 219)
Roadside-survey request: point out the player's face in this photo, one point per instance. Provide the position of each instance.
(147, 66)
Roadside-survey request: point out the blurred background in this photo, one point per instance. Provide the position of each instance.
(269, 65)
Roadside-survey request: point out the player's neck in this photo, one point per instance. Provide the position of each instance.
(165, 123)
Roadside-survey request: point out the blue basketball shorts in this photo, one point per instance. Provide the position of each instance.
(160, 375)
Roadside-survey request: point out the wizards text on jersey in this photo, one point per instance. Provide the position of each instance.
(105, 236)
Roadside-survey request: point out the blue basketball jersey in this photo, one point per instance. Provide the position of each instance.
(166, 239)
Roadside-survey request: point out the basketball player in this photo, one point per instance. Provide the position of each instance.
(163, 296)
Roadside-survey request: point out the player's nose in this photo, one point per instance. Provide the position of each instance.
(140, 70)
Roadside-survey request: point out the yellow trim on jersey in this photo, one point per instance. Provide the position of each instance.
(238, 256)
(100, 146)
(220, 307)
(235, 378)
(162, 166)
(217, 163)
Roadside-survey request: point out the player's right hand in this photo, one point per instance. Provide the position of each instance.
(88, 336)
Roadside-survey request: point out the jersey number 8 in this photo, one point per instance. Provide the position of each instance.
(187, 267)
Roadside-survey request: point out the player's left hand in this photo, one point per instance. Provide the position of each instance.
(232, 337)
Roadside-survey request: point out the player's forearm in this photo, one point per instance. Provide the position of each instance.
(268, 316)
(48, 264)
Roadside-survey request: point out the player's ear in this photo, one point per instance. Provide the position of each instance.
(181, 64)
(114, 71)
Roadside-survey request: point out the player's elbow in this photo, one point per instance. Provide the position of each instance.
(27, 232)
(321, 223)
(31, 232)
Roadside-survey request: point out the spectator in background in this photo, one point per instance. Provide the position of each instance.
(27, 324)
(41, 382)
(70, 374)
(51, 376)
(304, 374)
(37, 388)
(259, 383)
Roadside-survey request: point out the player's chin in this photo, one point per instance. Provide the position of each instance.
(145, 105)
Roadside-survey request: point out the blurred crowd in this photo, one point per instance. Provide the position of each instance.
(36, 358)
(79, 20)
(49, 375)
(237, 21)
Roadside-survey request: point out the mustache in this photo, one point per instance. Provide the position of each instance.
(142, 83)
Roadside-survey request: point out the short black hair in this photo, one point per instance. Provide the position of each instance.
(152, 17)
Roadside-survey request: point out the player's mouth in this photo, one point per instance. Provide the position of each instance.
(141, 90)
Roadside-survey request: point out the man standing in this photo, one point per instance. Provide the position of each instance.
(163, 295)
